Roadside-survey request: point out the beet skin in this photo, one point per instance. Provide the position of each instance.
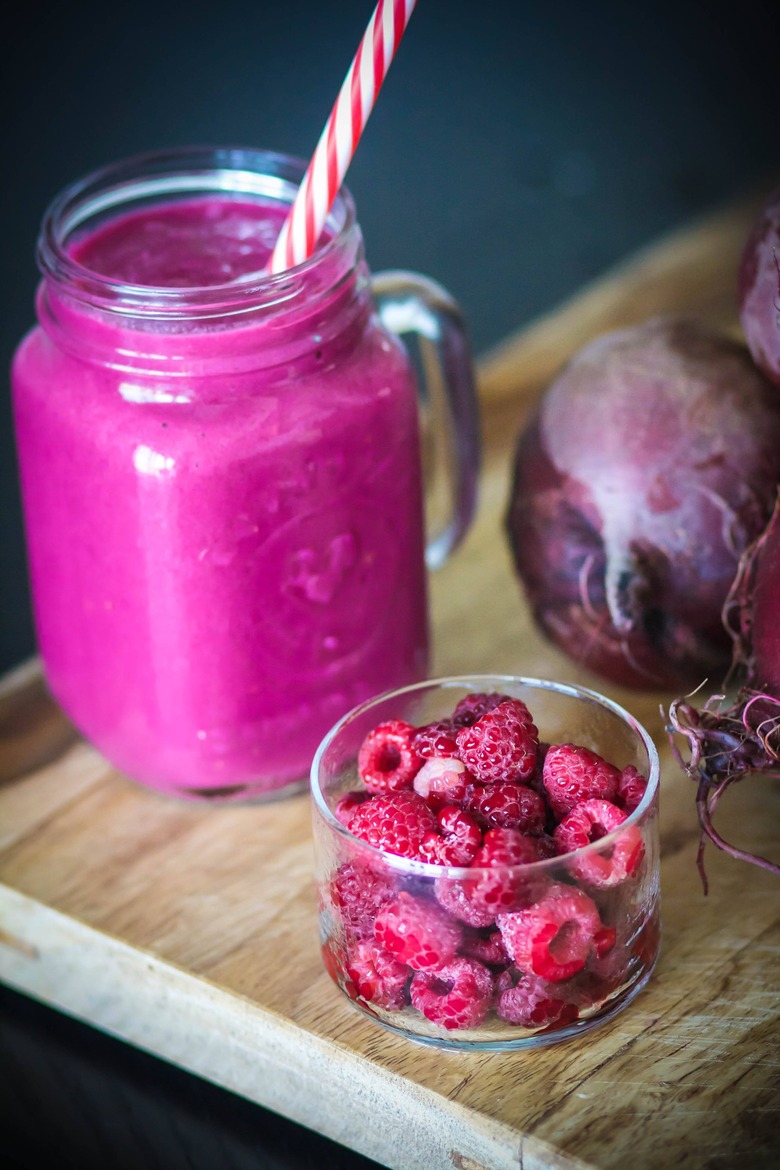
(649, 466)
(759, 289)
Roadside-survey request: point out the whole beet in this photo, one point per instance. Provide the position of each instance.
(648, 467)
(758, 288)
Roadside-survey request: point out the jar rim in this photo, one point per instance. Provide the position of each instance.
(182, 171)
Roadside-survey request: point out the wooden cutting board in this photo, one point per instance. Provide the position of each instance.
(190, 931)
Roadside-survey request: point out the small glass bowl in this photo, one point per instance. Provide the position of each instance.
(584, 925)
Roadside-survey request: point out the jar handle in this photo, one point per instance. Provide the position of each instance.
(410, 304)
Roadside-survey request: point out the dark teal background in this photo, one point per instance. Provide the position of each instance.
(517, 149)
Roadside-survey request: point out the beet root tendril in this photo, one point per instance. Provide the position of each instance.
(729, 740)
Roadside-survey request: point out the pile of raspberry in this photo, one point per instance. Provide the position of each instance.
(480, 792)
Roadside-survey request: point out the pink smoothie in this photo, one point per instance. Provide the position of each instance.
(224, 516)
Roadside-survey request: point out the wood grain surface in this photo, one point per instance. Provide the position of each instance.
(190, 931)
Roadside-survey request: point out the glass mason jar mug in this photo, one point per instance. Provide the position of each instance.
(221, 470)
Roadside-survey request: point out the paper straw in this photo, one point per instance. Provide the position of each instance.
(338, 141)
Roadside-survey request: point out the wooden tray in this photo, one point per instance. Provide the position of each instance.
(190, 931)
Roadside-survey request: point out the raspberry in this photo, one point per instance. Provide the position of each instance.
(532, 1003)
(501, 745)
(587, 822)
(554, 937)
(632, 954)
(499, 886)
(358, 892)
(455, 848)
(461, 832)
(506, 848)
(488, 949)
(456, 996)
(387, 762)
(604, 940)
(610, 966)
(505, 979)
(456, 897)
(332, 958)
(590, 821)
(396, 823)
(347, 804)
(509, 806)
(460, 838)
(436, 851)
(502, 885)
(377, 975)
(436, 740)
(417, 932)
(631, 788)
(473, 707)
(442, 781)
(573, 773)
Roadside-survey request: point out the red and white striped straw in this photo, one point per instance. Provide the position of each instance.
(325, 174)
